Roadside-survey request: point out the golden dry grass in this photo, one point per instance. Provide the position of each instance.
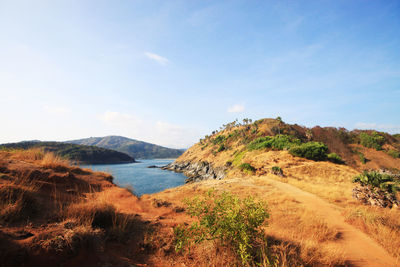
(383, 225)
(33, 154)
(52, 161)
(296, 235)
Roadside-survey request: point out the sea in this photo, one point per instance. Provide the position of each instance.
(142, 179)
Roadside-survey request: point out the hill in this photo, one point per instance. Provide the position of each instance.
(134, 148)
(80, 153)
(357, 172)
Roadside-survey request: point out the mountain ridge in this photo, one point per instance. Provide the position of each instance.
(81, 153)
(132, 147)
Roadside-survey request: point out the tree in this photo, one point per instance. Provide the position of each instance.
(279, 119)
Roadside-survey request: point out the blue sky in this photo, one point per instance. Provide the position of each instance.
(169, 72)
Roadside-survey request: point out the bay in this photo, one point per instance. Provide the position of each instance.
(144, 180)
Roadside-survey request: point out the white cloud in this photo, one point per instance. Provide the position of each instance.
(160, 133)
(56, 110)
(159, 59)
(120, 118)
(236, 108)
(390, 128)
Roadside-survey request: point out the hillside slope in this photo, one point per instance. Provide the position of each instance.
(81, 153)
(134, 148)
(236, 144)
(320, 161)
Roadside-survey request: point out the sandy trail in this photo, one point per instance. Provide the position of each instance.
(360, 250)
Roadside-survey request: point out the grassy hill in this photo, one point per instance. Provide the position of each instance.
(359, 149)
(80, 153)
(134, 148)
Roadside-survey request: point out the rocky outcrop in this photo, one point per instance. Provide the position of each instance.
(196, 171)
(375, 197)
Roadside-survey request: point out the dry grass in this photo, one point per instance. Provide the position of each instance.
(296, 236)
(17, 203)
(383, 225)
(52, 161)
(33, 154)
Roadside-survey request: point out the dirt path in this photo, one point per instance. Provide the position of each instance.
(360, 250)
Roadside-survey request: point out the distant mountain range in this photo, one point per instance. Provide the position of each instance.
(80, 153)
(134, 148)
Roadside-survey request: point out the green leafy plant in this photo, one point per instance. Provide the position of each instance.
(246, 167)
(310, 150)
(278, 142)
(379, 180)
(372, 141)
(335, 158)
(234, 222)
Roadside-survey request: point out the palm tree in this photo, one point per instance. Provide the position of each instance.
(279, 119)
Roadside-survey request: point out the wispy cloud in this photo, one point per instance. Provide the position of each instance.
(391, 128)
(159, 59)
(236, 108)
(57, 110)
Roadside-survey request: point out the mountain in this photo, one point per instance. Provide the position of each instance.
(81, 153)
(134, 148)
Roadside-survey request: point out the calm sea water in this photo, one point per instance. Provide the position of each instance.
(143, 180)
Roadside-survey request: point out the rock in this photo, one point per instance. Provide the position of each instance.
(375, 197)
(152, 166)
(196, 171)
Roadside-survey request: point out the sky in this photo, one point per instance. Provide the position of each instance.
(170, 72)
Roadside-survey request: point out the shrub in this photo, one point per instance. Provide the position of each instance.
(394, 153)
(380, 180)
(221, 148)
(310, 150)
(234, 222)
(277, 171)
(279, 142)
(246, 167)
(362, 157)
(219, 139)
(335, 158)
(372, 141)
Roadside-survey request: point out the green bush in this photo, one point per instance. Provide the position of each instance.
(246, 167)
(380, 180)
(221, 148)
(372, 141)
(310, 150)
(277, 170)
(234, 222)
(394, 153)
(219, 139)
(335, 158)
(279, 142)
(362, 157)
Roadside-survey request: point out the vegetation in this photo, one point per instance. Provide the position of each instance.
(372, 141)
(220, 139)
(134, 148)
(246, 167)
(379, 180)
(335, 158)
(233, 222)
(394, 153)
(80, 153)
(278, 142)
(277, 170)
(310, 150)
